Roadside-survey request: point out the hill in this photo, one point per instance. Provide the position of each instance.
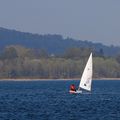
(55, 44)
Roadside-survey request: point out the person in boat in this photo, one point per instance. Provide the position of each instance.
(72, 87)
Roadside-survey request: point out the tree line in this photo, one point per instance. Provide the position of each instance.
(20, 62)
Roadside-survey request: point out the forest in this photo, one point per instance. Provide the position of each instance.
(52, 43)
(17, 61)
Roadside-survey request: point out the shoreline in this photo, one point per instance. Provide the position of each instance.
(38, 79)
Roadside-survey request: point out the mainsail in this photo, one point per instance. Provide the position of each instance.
(86, 78)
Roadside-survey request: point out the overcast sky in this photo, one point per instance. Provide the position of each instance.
(95, 20)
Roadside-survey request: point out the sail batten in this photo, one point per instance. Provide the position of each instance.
(86, 78)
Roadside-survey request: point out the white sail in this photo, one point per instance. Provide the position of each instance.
(86, 78)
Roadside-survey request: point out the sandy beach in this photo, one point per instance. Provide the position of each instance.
(37, 79)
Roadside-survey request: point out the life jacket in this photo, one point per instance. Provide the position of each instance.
(72, 87)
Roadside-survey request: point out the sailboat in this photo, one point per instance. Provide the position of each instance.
(86, 79)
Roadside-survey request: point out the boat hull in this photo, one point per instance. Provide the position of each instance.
(79, 91)
(72, 92)
(75, 92)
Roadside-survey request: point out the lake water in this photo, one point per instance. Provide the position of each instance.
(50, 100)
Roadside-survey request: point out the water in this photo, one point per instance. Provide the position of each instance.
(50, 100)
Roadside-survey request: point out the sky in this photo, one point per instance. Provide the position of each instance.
(94, 20)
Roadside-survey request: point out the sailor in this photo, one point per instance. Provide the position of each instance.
(72, 87)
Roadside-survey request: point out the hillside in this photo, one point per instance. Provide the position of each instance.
(52, 43)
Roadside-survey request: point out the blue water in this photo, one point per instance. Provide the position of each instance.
(50, 100)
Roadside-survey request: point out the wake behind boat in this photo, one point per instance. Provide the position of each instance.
(86, 79)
